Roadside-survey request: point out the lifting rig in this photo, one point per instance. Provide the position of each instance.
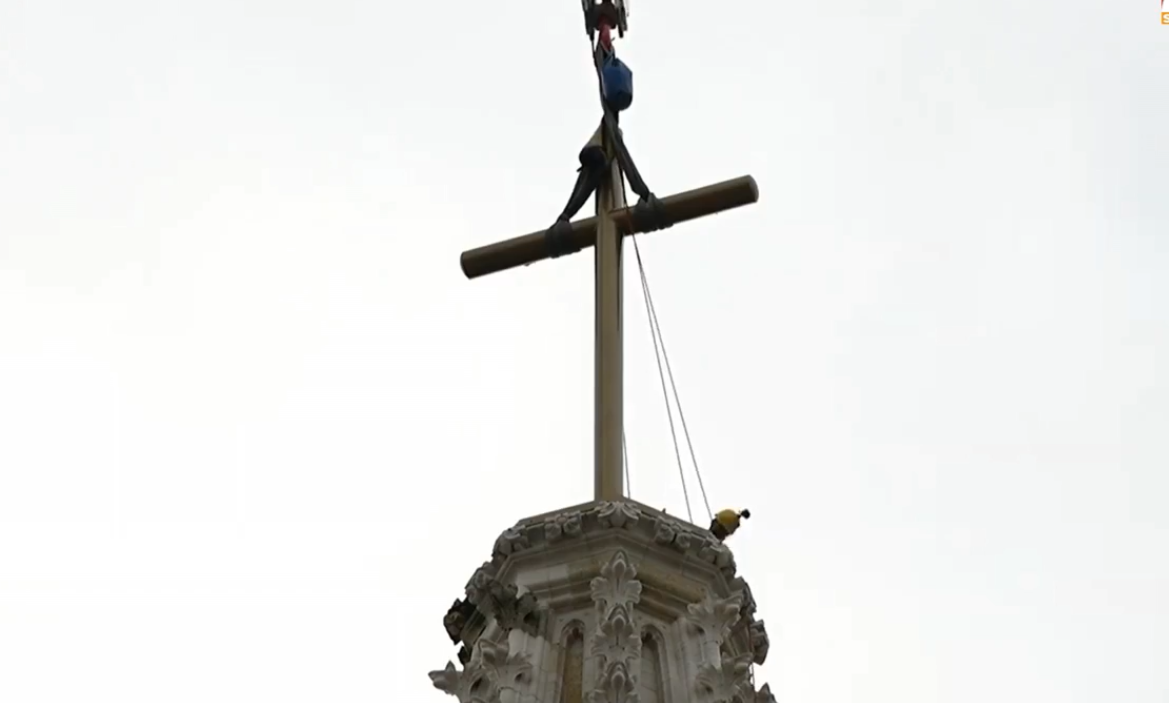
(616, 84)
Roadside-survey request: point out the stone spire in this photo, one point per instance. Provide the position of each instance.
(607, 602)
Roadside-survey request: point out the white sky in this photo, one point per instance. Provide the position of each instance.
(256, 429)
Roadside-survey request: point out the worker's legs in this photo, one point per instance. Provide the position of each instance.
(594, 167)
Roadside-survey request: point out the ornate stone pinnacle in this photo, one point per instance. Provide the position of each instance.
(713, 617)
(491, 671)
(729, 681)
(660, 596)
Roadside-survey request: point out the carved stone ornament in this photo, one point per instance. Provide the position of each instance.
(618, 514)
(617, 640)
(760, 642)
(456, 619)
(714, 552)
(561, 526)
(615, 686)
(712, 618)
(616, 643)
(693, 542)
(748, 610)
(491, 672)
(482, 578)
(764, 695)
(617, 584)
(510, 610)
(512, 540)
(665, 531)
(728, 683)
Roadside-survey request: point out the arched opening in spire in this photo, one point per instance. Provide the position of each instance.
(651, 684)
(572, 664)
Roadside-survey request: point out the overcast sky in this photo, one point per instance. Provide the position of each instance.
(257, 430)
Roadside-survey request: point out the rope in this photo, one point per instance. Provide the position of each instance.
(662, 376)
(670, 372)
(660, 343)
(625, 458)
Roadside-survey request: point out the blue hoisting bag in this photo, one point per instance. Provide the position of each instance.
(617, 83)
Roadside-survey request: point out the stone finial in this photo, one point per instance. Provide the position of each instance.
(503, 602)
(764, 695)
(491, 671)
(713, 617)
(727, 682)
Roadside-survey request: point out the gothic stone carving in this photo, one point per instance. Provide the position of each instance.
(616, 642)
(617, 585)
(510, 610)
(491, 672)
(494, 599)
(512, 540)
(618, 514)
(712, 618)
(561, 526)
(764, 695)
(456, 619)
(477, 587)
(690, 540)
(622, 515)
(665, 531)
(728, 681)
(749, 606)
(760, 643)
(615, 686)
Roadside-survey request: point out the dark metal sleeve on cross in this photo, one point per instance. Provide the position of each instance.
(603, 161)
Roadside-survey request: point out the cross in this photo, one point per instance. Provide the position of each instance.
(604, 232)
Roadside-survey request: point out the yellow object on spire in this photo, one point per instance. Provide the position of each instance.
(726, 522)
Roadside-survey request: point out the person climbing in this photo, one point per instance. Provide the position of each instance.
(725, 523)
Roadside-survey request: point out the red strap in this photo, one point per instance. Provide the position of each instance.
(606, 37)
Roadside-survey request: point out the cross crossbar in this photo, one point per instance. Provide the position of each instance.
(680, 207)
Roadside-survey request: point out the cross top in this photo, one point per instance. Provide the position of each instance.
(604, 162)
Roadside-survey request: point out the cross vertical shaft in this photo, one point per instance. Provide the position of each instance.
(608, 406)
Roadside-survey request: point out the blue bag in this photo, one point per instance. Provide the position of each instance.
(616, 83)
